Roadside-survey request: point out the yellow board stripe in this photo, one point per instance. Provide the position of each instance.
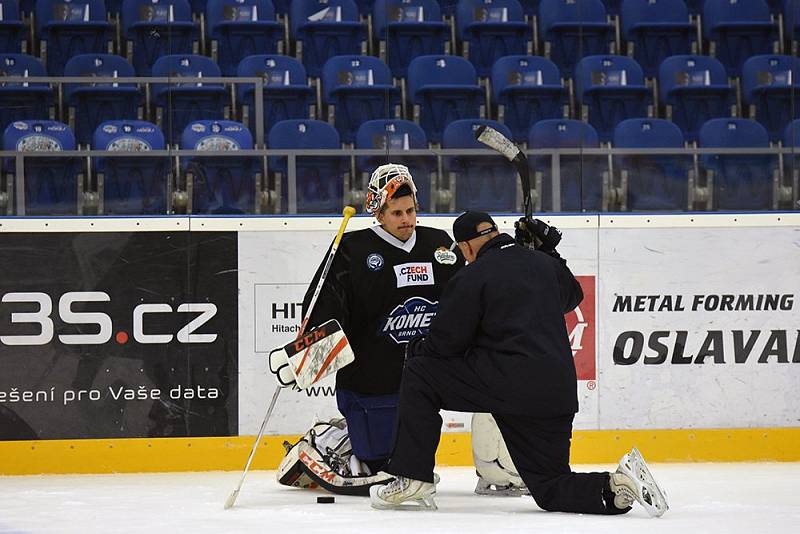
(229, 454)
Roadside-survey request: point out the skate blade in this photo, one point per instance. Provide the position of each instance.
(655, 498)
(500, 491)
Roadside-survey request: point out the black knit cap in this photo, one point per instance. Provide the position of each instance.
(465, 226)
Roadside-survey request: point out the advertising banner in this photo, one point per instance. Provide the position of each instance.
(275, 269)
(116, 335)
(699, 327)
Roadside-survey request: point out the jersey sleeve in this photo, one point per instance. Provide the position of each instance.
(335, 295)
(569, 287)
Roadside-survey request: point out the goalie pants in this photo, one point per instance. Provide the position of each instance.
(538, 446)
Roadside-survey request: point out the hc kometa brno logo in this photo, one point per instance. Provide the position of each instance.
(409, 319)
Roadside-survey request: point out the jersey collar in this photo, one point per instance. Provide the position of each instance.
(392, 240)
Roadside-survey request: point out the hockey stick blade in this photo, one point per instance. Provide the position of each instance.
(499, 142)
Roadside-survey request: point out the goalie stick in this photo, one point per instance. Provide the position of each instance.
(347, 214)
(499, 142)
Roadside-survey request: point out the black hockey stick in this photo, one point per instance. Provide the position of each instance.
(499, 142)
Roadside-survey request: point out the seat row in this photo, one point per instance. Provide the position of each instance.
(521, 91)
(751, 178)
(481, 31)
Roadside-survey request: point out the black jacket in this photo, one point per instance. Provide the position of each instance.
(504, 315)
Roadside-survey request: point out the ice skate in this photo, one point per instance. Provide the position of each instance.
(486, 487)
(640, 485)
(403, 494)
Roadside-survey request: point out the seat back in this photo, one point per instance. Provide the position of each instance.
(326, 28)
(741, 181)
(581, 176)
(738, 29)
(574, 28)
(446, 89)
(220, 185)
(657, 29)
(50, 183)
(386, 12)
(22, 101)
(771, 83)
(613, 89)
(286, 92)
(486, 183)
(395, 136)
(696, 88)
(492, 29)
(135, 185)
(320, 185)
(654, 182)
(170, 20)
(71, 28)
(12, 31)
(408, 29)
(240, 28)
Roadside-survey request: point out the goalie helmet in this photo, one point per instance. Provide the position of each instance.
(384, 183)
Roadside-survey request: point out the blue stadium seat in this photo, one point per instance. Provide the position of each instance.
(365, 6)
(198, 7)
(694, 89)
(188, 98)
(572, 29)
(448, 7)
(356, 89)
(611, 89)
(114, 7)
(656, 29)
(791, 22)
(652, 182)
(395, 136)
(241, 28)
(91, 104)
(530, 7)
(581, 184)
(68, 29)
(286, 92)
(741, 181)
(527, 89)
(491, 29)
(282, 6)
(406, 29)
(131, 185)
(443, 89)
(51, 186)
(320, 181)
(771, 87)
(155, 28)
(21, 101)
(220, 185)
(791, 162)
(485, 183)
(12, 31)
(738, 29)
(325, 28)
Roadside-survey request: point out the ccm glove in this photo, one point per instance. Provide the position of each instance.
(279, 365)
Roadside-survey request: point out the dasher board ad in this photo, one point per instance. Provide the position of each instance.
(699, 327)
(118, 335)
(275, 270)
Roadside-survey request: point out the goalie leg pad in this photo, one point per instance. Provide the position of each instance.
(323, 458)
(496, 472)
(370, 422)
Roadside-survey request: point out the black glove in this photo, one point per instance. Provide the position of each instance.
(537, 235)
(413, 347)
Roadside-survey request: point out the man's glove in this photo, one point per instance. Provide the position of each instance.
(537, 235)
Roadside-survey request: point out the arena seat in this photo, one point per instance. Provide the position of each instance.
(155, 28)
(241, 28)
(12, 30)
(486, 183)
(131, 185)
(66, 29)
(23, 101)
(527, 89)
(771, 87)
(489, 30)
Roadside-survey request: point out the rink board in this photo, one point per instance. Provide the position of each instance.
(687, 340)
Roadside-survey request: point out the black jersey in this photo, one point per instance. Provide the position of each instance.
(384, 292)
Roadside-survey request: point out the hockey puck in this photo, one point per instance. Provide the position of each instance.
(326, 500)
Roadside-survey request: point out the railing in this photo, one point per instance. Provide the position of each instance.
(178, 186)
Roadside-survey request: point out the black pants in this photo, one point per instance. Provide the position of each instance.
(539, 447)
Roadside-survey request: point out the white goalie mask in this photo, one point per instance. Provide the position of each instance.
(384, 183)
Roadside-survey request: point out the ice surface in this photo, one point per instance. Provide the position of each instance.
(727, 498)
